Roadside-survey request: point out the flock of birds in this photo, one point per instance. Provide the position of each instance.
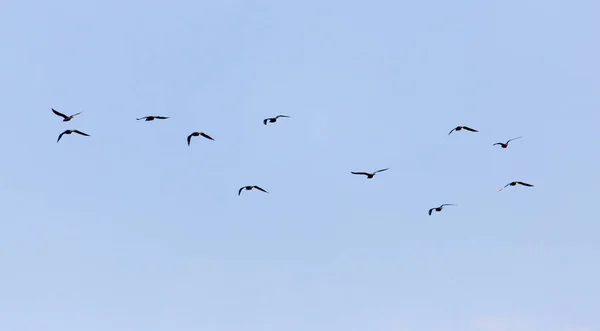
(369, 175)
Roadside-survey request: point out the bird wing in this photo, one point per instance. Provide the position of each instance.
(76, 114)
(60, 136)
(497, 144)
(161, 117)
(509, 140)
(359, 173)
(430, 210)
(81, 133)
(260, 189)
(240, 191)
(265, 121)
(381, 170)
(469, 129)
(525, 184)
(141, 118)
(278, 116)
(189, 139)
(59, 113)
(451, 131)
(206, 136)
(448, 204)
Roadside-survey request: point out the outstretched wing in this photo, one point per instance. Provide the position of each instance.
(509, 140)
(524, 184)
(206, 136)
(469, 129)
(76, 114)
(260, 189)
(497, 144)
(240, 191)
(278, 116)
(59, 113)
(504, 187)
(81, 133)
(381, 170)
(359, 173)
(142, 118)
(448, 204)
(161, 117)
(60, 136)
(451, 131)
(189, 138)
(430, 210)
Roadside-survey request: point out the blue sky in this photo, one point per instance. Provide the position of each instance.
(131, 229)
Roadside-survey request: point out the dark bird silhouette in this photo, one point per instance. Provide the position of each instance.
(458, 128)
(273, 119)
(505, 145)
(369, 175)
(65, 117)
(71, 131)
(196, 134)
(152, 118)
(440, 207)
(515, 183)
(248, 188)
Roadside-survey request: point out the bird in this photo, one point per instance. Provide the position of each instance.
(505, 145)
(369, 175)
(458, 128)
(249, 188)
(440, 207)
(65, 117)
(273, 119)
(71, 131)
(152, 118)
(514, 184)
(196, 134)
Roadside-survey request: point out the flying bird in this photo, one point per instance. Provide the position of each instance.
(65, 117)
(273, 119)
(71, 131)
(369, 175)
(440, 207)
(515, 183)
(505, 145)
(152, 118)
(458, 128)
(196, 134)
(248, 188)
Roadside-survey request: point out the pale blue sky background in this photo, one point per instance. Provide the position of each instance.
(131, 229)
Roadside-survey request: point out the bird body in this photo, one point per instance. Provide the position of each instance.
(152, 118)
(505, 145)
(65, 117)
(438, 209)
(514, 184)
(248, 188)
(196, 134)
(369, 175)
(69, 132)
(273, 119)
(458, 128)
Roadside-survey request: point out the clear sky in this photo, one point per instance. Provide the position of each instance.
(131, 229)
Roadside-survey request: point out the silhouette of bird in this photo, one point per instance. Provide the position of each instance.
(71, 131)
(196, 134)
(458, 128)
(248, 188)
(505, 145)
(273, 119)
(152, 118)
(440, 207)
(65, 117)
(369, 175)
(515, 183)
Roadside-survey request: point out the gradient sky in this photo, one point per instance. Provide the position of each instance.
(131, 229)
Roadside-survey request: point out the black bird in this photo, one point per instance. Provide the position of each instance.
(440, 207)
(249, 188)
(152, 118)
(273, 119)
(71, 131)
(369, 175)
(196, 134)
(65, 117)
(515, 183)
(458, 128)
(505, 145)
